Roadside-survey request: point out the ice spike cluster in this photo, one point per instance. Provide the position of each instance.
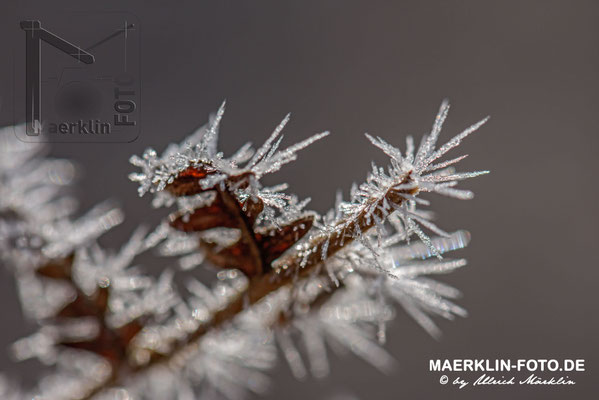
(287, 281)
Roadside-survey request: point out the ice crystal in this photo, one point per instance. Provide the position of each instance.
(31, 197)
(224, 365)
(355, 314)
(200, 149)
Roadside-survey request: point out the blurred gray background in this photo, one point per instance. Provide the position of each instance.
(384, 67)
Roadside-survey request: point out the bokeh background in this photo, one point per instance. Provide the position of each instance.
(384, 67)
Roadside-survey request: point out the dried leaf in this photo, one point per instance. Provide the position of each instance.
(86, 306)
(109, 344)
(208, 217)
(275, 241)
(238, 256)
(187, 182)
(58, 269)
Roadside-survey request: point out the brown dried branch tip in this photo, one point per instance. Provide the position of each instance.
(256, 248)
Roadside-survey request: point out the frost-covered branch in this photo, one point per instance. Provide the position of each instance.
(286, 275)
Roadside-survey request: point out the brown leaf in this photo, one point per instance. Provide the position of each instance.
(86, 306)
(275, 242)
(253, 206)
(238, 256)
(58, 269)
(187, 182)
(110, 344)
(271, 244)
(127, 332)
(208, 217)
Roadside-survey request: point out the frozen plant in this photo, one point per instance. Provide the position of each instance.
(288, 280)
